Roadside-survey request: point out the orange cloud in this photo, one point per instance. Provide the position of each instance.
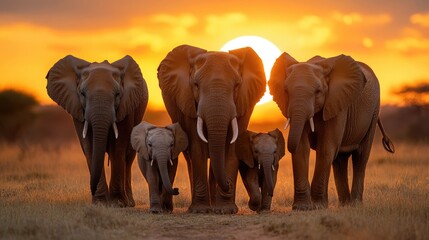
(179, 25)
(421, 19)
(359, 18)
(409, 45)
(218, 23)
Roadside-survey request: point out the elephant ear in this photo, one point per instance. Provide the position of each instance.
(345, 83)
(134, 87)
(253, 83)
(173, 75)
(277, 134)
(138, 138)
(180, 139)
(243, 148)
(62, 84)
(278, 79)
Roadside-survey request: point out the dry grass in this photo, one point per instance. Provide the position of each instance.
(45, 195)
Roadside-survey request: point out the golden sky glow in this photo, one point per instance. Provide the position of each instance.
(393, 39)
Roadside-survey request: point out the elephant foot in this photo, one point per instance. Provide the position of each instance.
(119, 201)
(100, 199)
(168, 207)
(155, 210)
(264, 211)
(226, 208)
(199, 208)
(320, 205)
(302, 206)
(255, 203)
(131, 202)
(355, 203)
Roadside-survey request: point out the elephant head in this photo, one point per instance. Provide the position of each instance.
(159, 146)
(265, 149)
(98, 95)
(215, 89)
(301, 90)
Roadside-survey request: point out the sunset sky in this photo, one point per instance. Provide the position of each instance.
(390, 36)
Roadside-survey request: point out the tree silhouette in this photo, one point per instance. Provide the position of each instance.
(415, 95)
(15, 112)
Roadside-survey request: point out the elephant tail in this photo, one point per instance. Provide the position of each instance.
(387, 143)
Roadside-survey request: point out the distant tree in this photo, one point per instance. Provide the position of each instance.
(415, 95)
(15, 112)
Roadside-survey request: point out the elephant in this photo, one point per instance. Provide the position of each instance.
(332, 106)
(106, 100)
(211, 94)
(259, 155)
(158, 151)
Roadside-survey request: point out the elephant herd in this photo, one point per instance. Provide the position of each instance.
(331, 105)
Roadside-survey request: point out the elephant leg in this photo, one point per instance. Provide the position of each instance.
(167, 199)
(302, 197)
(200, 191)
(328, 139)
(250, 180)
(117, 181)
(225, 202)
(102, 193)
(340, 166)
(128, 188)
(189, 166)
(319, 184)
(360, 159)
(155, 186)
(266, 199)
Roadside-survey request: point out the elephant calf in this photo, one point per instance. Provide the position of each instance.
(259, 155)
(158, 150)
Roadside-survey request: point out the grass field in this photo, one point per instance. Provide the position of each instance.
(45, 195)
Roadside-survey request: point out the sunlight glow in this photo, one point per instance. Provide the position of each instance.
(266, 50)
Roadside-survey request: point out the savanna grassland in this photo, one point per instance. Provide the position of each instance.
(44, 194)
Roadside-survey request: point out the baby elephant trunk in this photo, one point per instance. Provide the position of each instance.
(267, 165)
(163, 171)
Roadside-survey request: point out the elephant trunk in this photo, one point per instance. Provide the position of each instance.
(297, 123)
(163, 171)
(101, 116)
(217, 129)
(267, 165)
(100, 128)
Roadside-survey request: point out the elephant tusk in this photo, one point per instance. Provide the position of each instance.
(171, 162)
(200, 129)
(85, 129)
(115, 129)
(151, 163)
(312, 124)
(259, 166)
(272, 166)
(234, 130)
(287, 124)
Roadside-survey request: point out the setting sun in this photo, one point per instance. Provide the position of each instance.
(266, 50)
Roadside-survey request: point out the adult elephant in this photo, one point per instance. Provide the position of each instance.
(332, 105)
(212, 94)
(106, 101)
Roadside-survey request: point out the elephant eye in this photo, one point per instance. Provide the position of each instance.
(171, 145)
(149, 144)
(82, 93)
(275, 151)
